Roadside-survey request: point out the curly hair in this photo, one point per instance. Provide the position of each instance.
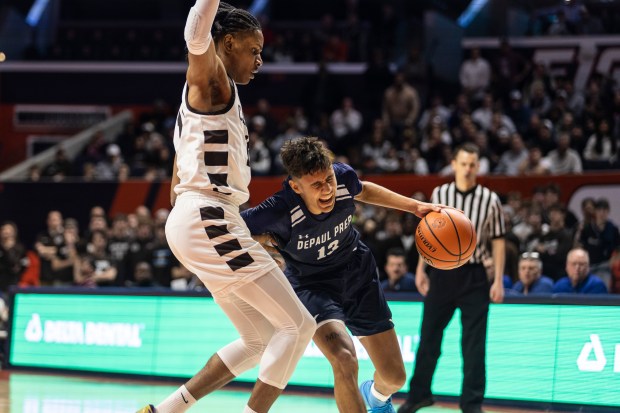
(306, 155)
(229, 20)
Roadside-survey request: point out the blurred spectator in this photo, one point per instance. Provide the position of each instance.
(160, 257)
(119, 244)
(551, 198)
(104, 266)
(139, 248)
(600, 238)
(535, 164)
(143, 276)
(56, 251)
(484, 114)
(13, 259)
(401, 106)
(601, 146)
(511, 160)
(531, 280)
(579, 279)
(518, 112)
(377, 78)
(84, 272)
(60, 167)
(564, 160)
(260, 157)
(475, 75)
(399, 279)
(436, 113)
(555, 243)
(34, 173)
(346, 123)
(561, 26)
(107, 168)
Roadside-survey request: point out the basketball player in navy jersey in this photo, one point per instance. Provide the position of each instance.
(332, 271)
(205, 231)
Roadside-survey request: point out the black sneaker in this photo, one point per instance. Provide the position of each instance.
(410, 407)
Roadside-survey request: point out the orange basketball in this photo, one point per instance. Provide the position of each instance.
(446, 239)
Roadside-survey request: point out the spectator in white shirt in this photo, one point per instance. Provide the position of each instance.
(563, 159)
(475, 75)
(346, 123)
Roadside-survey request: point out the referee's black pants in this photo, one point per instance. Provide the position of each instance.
(466, 288)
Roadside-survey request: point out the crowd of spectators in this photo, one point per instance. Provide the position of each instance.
(525, 120)
(130, 250)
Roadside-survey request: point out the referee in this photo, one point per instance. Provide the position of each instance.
(466, 288)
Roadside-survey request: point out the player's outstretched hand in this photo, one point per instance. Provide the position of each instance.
(426, 207)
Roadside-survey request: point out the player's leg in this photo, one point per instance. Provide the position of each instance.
(368, 315)
(384, 352)
(293, 327)
(333, 339)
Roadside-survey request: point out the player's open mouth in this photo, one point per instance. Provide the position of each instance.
(325, 202)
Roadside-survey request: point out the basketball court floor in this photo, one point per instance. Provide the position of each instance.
(26, 392)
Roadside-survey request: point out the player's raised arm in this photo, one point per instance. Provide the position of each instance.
(205, 69)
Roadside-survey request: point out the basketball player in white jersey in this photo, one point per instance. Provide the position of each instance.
(205, 231)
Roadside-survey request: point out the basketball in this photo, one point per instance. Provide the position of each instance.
(446, 239)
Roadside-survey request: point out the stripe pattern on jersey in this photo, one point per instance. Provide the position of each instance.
(216, 156)
(226, 245)
(342, 193)
(484, 209)
(297, 215)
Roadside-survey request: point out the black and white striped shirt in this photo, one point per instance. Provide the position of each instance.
(483, 208)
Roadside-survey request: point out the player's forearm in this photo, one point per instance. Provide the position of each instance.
(198, 26)
(378, 195)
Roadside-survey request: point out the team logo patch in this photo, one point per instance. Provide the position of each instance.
(438, 223)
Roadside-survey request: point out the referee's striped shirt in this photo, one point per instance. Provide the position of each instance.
(483, 208)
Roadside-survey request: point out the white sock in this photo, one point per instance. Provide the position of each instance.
(378, 395)
(178, 402)
(248, 410)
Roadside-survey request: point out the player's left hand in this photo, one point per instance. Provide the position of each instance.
(497, 291)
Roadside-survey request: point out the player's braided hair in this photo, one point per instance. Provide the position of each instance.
(229, 19)
(307, 155)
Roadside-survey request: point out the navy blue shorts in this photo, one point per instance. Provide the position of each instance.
(352, 294)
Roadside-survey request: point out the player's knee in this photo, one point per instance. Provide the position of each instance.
(344, 363)
(395, 378)
(307, 327)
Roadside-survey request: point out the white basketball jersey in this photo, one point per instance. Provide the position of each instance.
(212, 150)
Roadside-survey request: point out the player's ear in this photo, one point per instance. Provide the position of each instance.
(228, 42)
(294, 186)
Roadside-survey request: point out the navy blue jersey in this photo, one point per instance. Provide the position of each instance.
(310, 243)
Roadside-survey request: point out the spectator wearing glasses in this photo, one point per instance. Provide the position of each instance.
(531, 280)
(579, 279)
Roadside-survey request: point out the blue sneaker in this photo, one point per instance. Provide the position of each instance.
(375, 405)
